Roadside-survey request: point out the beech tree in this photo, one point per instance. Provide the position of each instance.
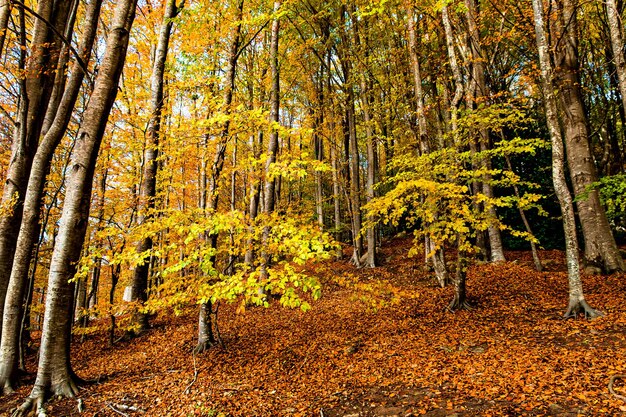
(29, 229)
(147, 191)
(601, 252)
(54, 372)
(577, 301)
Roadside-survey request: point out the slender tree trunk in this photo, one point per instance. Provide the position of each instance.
(434, 256)
(478, 74)
(336, 197)
(370, 260)
(533, 246)
(206, 337)
(5, 14)
(54, 373)
(617, 46)
(577, 301)
(601, 252)
(272, 146)
(147, 191)
(29, 229)
(36, 88)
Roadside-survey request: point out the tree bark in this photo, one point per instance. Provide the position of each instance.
(35, 93)
(29, 229)
(54, 373)
(601, 252)
(147, 191)
(433, 255)
(5, 15)
(478, 75)
(272, 146)
(206, 337)
(617, 46)
(577, 301)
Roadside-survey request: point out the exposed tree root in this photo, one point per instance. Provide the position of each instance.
(35, 402)
(7, 387)
(456, 305)
(577, 307)
(202, 347)
(612, 391)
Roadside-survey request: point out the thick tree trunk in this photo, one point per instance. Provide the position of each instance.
(36, 88)
(577, 301)
(601, 252)
(54, 373)
(29, 229)
(147, 191)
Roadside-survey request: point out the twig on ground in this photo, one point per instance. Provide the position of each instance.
(121, 413)
(612, 391)
(195, 375)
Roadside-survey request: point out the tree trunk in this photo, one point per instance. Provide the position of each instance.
(366, 100)
(29, 229)
(433, 255)
(5, 14)
(272, 146)
(205, 331)
(35, 93)
(54, 373)
(577, 301)
(478, 75)
(617, 46)
(147, 191)
(601, 252)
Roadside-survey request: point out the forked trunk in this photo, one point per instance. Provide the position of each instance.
(54, 374)
(577, 301)
(29, 229)
(36, 88)
(601, 252)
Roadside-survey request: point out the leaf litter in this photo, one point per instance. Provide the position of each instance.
(378, 343)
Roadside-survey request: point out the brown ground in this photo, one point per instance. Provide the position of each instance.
(510, 356)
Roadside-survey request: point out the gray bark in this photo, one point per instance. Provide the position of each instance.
(5, 14)
(433, 255)
(478, 74)
(54, 373)
(36, 88)
(617, 46)
(576, 297)
(29, 229)
(205, 331)
(272, 146)
(147, 190)
(601, 252)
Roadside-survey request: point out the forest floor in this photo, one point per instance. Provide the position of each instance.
(384, 347)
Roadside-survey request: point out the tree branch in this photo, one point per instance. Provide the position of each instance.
(80, 61)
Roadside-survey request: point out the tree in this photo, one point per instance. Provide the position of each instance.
(54, 373)
(147, 192)
(577, 301)
(29, 229)
(35, 89)
(601, 252)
